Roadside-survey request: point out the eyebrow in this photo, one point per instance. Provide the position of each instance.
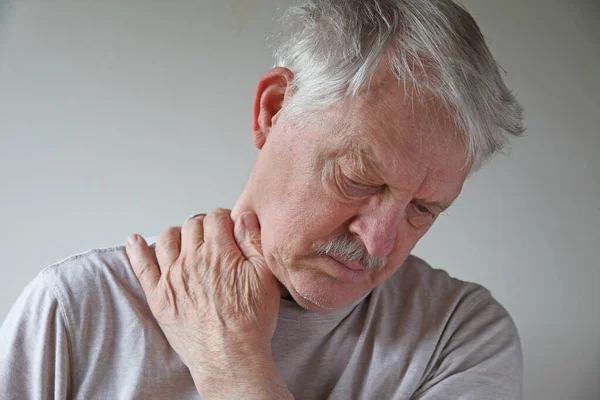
(363, 153)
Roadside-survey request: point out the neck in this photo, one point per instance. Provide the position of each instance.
(243, 204)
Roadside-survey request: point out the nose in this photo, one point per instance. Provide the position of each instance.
(378, 227)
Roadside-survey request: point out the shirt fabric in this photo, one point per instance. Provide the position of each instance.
(82, 329)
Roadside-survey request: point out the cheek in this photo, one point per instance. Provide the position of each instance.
(295, 208)
(292, 227)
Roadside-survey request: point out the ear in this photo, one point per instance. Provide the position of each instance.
(271, 92)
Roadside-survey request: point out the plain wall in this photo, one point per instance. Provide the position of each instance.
(128, 116)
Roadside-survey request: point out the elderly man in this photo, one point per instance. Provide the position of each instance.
(367, 129)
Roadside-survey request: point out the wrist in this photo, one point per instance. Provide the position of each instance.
(248, 377)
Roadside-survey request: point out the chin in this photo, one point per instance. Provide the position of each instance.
(318, 292)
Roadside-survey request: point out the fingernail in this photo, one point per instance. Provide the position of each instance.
(133, 238)
(250, 221)
(195, 216)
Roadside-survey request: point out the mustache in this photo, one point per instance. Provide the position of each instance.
(350, 249)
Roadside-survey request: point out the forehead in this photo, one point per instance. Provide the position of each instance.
(395, 129)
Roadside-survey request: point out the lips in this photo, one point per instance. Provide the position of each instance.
(350, 264)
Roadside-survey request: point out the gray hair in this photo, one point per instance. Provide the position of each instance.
(349, 248)
(334, 48)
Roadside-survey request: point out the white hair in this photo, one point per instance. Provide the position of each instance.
(334, 48)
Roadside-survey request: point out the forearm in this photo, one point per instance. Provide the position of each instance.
(250, 379)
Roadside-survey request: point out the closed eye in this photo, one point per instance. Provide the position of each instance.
(420, 216)
(357, 183)
(422, 209)
(355, 188)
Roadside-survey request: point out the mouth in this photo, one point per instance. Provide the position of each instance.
(350, 264)
(346, 271)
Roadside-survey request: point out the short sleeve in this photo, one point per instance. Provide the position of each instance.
(34, 345)
(480, 355)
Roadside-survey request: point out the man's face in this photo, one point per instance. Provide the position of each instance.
(356, 186)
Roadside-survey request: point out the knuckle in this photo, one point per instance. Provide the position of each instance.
(210, 217)
(143, 273)
(218, 218)
(169, 233)
(228, 257)
(196, 222)
(255, 240)
(168, 240)
(222, 214)
(224, 217)
(174, 230)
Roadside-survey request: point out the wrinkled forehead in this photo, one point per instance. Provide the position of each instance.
(394, 127)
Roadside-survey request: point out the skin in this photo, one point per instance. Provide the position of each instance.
(378, 170)
(412, 163)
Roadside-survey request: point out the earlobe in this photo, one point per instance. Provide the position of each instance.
(258, 135)
(271, 93)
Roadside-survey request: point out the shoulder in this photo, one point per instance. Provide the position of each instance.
(433, 293)
(97, 297)
(86, 318)
(91, 292)
(99, 272)
(461, 328)
(445, 312)
(78, 277)
(428, 289)
(96, 283)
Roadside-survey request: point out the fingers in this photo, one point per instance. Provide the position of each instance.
(168, 247)
(220, 246)
(142, 263)
(247, 235)
(218, 229)
(192, 234)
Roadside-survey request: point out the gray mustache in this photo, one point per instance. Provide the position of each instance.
(349, 249)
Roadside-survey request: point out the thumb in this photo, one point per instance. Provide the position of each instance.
(247, 234)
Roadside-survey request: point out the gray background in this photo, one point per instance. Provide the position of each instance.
(127, 116)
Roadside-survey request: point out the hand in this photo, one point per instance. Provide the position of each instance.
(217, 303)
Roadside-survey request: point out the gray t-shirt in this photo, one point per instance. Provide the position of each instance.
(82, 329)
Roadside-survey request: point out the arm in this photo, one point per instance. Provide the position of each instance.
(254, 377)
(34, 346)
(479, 357)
